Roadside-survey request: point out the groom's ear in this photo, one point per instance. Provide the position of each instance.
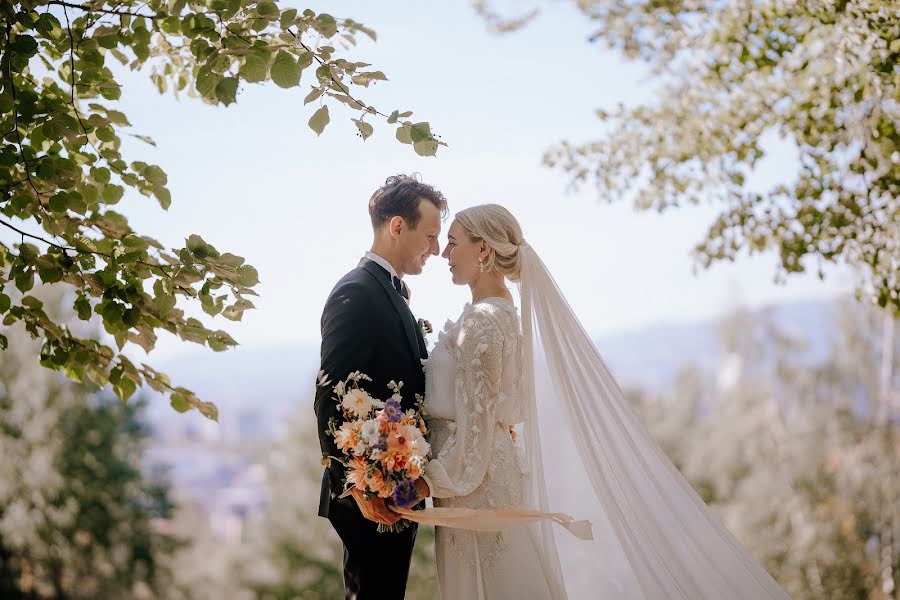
(396, 225)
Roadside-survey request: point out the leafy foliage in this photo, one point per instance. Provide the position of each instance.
(76, 513)
(62, 170)
(821, 75)
(793, 456)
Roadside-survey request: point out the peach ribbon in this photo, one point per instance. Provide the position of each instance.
(493, 520)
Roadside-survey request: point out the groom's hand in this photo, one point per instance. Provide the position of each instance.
(374, 509)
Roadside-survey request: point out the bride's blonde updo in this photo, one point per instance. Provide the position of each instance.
(500, 229)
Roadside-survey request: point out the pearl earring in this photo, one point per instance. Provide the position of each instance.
(480, 265)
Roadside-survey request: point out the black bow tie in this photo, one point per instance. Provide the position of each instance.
(400, 287)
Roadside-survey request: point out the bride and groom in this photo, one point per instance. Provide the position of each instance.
(522, 414)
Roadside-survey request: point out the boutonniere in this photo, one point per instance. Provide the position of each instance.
(425, 327)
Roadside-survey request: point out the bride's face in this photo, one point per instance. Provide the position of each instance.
(462, 253)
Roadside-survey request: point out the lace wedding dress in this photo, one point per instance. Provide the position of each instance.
(473, 395)
(581, 451)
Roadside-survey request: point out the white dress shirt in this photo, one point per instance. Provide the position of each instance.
(387, 267)
(383, 263)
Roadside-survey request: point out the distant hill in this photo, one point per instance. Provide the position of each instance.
(257, 387)
(651, 356)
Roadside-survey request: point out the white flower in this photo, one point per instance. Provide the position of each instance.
(359, 403)
(371, 432)
(417, 442)
(359, 449)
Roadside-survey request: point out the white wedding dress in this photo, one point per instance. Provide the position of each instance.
(473, 395)
(580, 450)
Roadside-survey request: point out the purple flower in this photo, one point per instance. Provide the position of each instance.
(405, 495)
(392, 410)
(381, 446)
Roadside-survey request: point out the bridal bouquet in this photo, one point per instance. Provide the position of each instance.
(384, 448)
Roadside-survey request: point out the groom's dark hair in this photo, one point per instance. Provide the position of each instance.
(400, 197)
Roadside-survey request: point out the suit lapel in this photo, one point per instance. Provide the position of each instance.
(406, 316)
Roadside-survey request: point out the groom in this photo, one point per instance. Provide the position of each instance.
(367, 326)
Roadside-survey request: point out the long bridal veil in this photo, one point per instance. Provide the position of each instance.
(588, 455)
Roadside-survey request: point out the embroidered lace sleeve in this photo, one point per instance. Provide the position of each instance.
(464, 458)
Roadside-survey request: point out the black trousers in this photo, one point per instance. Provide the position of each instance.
(376, 565)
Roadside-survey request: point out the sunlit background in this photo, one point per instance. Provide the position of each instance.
(763, 393)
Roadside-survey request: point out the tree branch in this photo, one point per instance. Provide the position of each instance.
(38, 238)
(15, 112)
(340, 85)
(90, 9)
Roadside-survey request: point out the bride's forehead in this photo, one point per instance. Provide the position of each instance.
(456, 230)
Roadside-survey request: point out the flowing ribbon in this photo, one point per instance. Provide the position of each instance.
(492, 520)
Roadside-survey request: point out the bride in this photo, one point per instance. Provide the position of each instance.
(524, 416)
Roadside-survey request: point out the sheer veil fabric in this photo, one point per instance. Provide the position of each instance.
(586, 453)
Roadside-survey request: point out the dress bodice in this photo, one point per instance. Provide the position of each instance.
(489, 325)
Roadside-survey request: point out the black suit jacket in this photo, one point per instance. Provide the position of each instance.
(366, 326)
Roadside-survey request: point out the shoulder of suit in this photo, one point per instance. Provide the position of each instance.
(357, 281)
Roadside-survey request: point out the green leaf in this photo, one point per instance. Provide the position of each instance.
(326, 25)
(198, 246)
(50, 275)
(313, 95)
(319, 120)
(24, 45)
(180, 403)
(121, 338)
(111, 194)
(255, 67)
(164, 303)
(364, 79)
(32, 302)
(112, 224)
(287, 17)
(248, 276)
(83, 307)
(49, 26)
(267, 9)
(112, 313)
(25, 280)
(131, 317)
(426, 147)
(59, 202)
(5, 303)
(206, 81)
(144, 138)
(365, 129)
(155, 175)
(164, 196)
(100, 174)
(420, 132)
(124, 389)
(226, 90)
(403, 134)
(285, 70)
(393, 118)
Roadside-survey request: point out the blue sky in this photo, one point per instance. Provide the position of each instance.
(254, 180)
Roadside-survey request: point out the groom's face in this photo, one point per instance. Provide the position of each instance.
(417, 245)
